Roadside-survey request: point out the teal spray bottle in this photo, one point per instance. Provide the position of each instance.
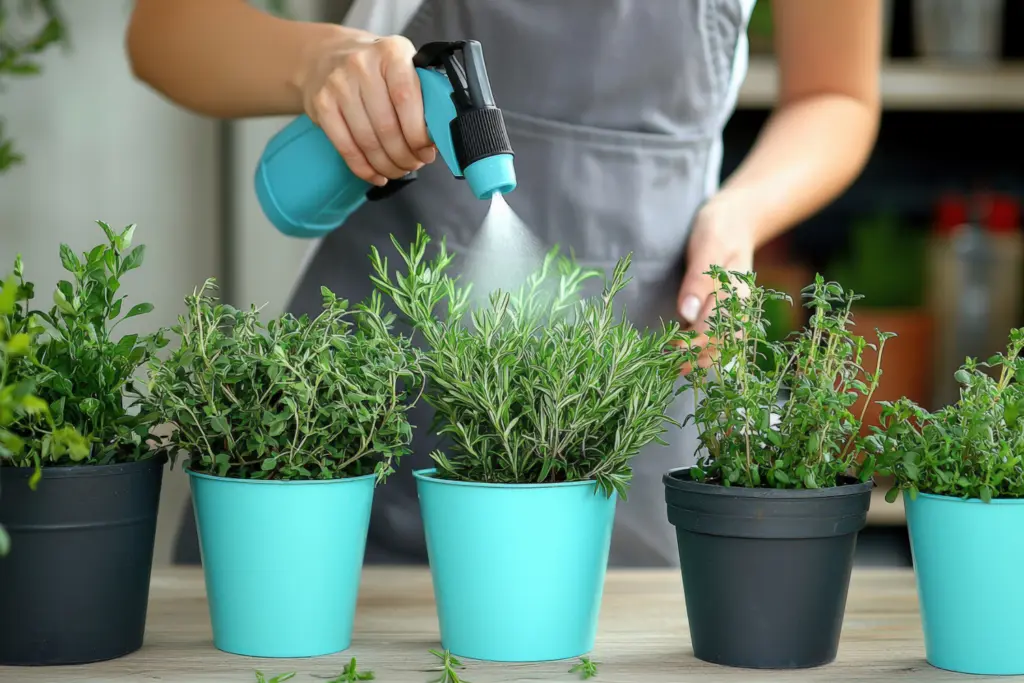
(306, 190)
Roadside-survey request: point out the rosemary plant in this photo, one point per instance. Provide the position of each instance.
(78, 367)
(293, 399)
(544, 385)
(786, 423)
(970, 449)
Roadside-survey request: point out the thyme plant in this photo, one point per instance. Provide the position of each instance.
(79, 367)
(543, 385)
(970, 449)
(787, 422)
(291, 399)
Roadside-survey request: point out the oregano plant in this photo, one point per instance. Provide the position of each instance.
(295, 398)
(79, 367)
(541, 384)
(968, 449)
(778, 414)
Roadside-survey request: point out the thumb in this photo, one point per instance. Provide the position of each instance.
(695, 291)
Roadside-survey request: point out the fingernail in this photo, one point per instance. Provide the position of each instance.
(427, 155)
(690, 309)
(380, 181)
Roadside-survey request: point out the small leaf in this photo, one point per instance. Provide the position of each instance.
(139, 309)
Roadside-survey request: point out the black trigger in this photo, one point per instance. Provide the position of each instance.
(375, 194)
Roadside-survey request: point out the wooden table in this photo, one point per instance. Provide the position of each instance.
(643, 637)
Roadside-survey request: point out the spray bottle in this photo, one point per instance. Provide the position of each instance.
(306, 190)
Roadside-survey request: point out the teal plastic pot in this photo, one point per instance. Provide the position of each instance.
(518, 569)
(969, 558)
(282, 561)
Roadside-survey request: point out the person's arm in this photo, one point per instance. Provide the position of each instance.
(227, 59)
(812, 147)
(223, 58)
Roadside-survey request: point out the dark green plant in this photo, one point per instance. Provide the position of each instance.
(788, 425)
(970, 449)
(79, 368)
(885, 263)
(19, 55)
(291, 399)
(543, 386)
(585, 668)
(351, 674)
(449, 668)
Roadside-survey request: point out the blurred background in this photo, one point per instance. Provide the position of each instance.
(930, 233)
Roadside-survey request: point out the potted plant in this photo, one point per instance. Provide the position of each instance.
(545, 398)
(85, 534)
(767, 521)
(288, 426)
(962, 479)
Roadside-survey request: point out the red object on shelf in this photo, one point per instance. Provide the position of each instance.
(950, 214)
(1003, 214)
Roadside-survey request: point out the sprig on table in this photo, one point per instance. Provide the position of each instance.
(280, 678)
(351, 674)
(585, 668)
(449, 664)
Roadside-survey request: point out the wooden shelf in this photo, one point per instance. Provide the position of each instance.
(913, 84)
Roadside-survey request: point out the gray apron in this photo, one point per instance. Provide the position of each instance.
(615, 110)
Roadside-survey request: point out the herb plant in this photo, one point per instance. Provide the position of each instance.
(351, 674)
(449, 667)
(280, 678)
(585, 668)
(544, 385)
(79, 368)
(970, 449)
(19, 55)
(291, 399)
(786, 423)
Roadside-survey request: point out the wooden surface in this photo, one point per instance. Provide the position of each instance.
(643, 637)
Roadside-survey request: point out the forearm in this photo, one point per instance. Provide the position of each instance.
(810, 150)
(224, 58)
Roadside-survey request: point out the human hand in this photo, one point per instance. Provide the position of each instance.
(365, 94)
(723, 235)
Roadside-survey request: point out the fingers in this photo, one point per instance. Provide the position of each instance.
(370, 106)
(694, 294)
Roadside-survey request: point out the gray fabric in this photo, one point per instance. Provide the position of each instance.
(613, 108)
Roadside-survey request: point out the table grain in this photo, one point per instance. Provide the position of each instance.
(643, 637)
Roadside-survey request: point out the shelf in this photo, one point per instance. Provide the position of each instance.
(912, 84)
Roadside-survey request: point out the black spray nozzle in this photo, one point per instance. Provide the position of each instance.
(478, 129)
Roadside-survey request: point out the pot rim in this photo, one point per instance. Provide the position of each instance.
(678, 479)
(70, 471)
(425, 475)
(957, 499)
(278, 482)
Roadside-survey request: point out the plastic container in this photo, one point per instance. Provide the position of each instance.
(282, 561)
(518, 569)
(968, 557)
(765, 571)
(75, 586)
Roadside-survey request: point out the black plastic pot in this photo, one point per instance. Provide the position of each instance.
(765, 571)
(75, 585)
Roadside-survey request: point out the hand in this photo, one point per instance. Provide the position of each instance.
(365, 94)
(722, 235)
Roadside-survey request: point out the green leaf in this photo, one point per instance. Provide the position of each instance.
(139, 309)
(134, 258)
(892, 494)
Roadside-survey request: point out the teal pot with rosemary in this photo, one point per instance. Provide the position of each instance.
(290, 425)
(518, 569)
(298, 545)
(956, 543)
(542, 402)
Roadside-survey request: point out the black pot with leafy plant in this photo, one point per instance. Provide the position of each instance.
(288, 426)
(961, 472)
(545, 397)
(767, 521)
(81, 484)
